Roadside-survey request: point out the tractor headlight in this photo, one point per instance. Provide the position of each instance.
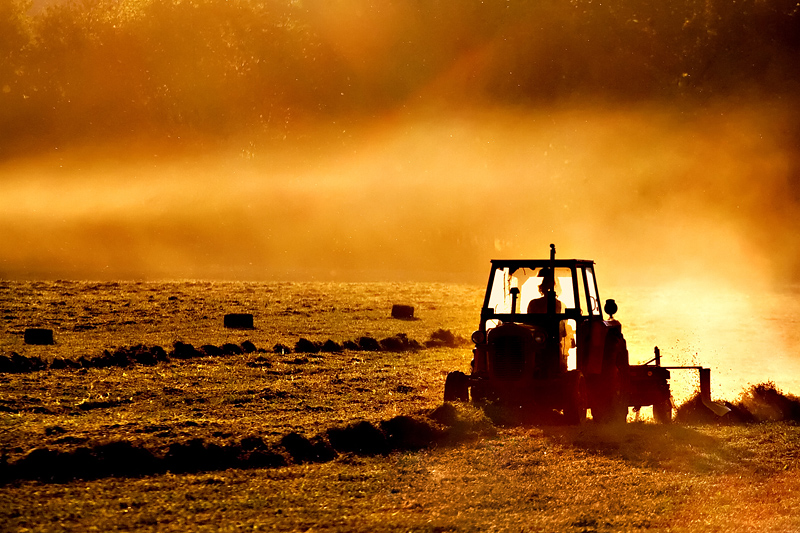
(539, 338)
(478, 337)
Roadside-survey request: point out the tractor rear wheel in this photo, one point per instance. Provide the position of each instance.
(576, 398)
(662, 411)
(456, 387)
(610, 406)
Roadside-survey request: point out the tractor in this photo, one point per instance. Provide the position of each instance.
(544, 347)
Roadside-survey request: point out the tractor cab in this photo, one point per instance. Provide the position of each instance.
(543, 343)
(552, 297)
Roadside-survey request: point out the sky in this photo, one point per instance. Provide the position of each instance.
(428, 186)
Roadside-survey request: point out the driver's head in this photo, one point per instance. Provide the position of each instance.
(546, 284)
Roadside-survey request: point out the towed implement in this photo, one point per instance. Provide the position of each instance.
(544, 346)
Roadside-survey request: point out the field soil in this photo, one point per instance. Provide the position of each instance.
(147, 414)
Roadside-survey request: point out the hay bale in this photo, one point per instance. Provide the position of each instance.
(403, 312)
(446, 414)
(43, 464)
(58, 363)
(196, 455)
(238, 321)
(40, 336)
(123, 458)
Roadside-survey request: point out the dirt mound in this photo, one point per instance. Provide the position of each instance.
(361, 438)
(123, 357)
(409, 433)
(127, 459)
(399, 343)
(760, 403)
(304, 450)
(15, 363)
(18, 364)
(463, 421)
(767, 403)
(444, 338)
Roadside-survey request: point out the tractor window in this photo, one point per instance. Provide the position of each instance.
(532, 292)
(594, 300)
(500, 298)
(528, 281)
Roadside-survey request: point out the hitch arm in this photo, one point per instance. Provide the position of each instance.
(705, 388)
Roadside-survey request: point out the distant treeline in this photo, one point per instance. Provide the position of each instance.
(119, 66)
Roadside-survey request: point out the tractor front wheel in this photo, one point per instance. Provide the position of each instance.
(456, 387)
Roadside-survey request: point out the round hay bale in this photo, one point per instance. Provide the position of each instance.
(403, 312)
(40, 336)
(123, 458)
(238, 321)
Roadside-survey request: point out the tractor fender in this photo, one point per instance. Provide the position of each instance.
(599, 339)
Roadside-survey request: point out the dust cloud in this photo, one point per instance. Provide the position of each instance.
(379, 140)
(355, 140)
(648, 193)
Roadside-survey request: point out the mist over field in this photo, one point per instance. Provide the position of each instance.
(165, 163)
(358, 140)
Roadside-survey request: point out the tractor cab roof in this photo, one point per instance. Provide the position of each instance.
(513, 264)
